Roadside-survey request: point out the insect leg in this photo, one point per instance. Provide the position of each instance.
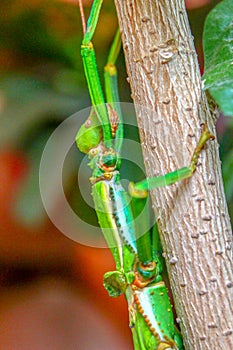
(143, 236)
(92, 75)
(140, 189)
(111, 88)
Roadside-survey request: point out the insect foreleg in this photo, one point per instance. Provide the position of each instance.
(92, 75)
(111, 88)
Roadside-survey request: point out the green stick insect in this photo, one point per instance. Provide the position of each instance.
(136, 250)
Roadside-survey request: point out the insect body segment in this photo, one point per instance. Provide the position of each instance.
(151, 303)
(114, 213)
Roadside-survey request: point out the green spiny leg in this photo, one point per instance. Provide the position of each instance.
(146, 267)
(140, 189)
(91, 72)
(90, 134)
(111, 88)
(157, 253)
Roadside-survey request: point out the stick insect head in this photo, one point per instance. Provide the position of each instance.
(104, 162)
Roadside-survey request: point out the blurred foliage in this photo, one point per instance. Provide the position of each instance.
(42, 81)
(218, 51)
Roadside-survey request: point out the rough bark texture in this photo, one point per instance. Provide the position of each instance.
(192, 215)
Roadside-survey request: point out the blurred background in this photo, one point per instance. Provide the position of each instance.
(51, 287)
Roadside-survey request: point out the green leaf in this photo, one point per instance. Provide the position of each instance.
(218, 53)
(227, 175)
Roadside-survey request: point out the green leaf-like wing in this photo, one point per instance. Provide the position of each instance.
(218, 52)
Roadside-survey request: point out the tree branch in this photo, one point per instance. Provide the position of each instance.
(192, 215)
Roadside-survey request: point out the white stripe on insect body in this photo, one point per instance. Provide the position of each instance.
(144, 307)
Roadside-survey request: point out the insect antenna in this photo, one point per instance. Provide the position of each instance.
(80, 4)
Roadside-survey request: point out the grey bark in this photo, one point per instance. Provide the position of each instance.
(192, 215)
